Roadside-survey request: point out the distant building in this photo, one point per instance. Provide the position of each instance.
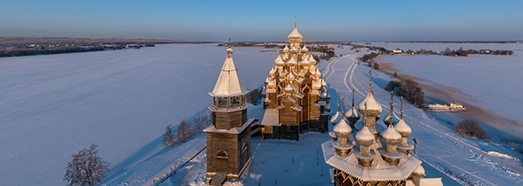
(397, 52)
(229, 137)
(383, 157)
(296, 98)
(453, 107)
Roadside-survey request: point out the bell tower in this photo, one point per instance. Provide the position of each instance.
(228, 139)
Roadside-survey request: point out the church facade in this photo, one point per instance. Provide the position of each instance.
(295, 94)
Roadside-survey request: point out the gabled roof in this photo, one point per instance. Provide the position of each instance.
(228, 84)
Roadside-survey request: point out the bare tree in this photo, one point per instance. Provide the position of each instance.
(202, 122)
(253, 97)
(470, 128)
(86, 168)
(168, 137)
(184, 132)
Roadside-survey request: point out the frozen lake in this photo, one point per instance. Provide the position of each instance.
(54, 105)
(487, 81)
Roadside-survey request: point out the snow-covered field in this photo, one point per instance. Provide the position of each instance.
(455, 159)
(464, 160)
(54, 105)
(487, 81)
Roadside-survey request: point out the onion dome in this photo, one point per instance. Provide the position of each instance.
(304, 49)
(229, 51)
(323, 83)
(403, 128)
(372, 104)
(305, 62)
(286, 49)
(420, 171)
(336, 118)
(291, 77)
(288, 89)
(317, 73)
(387, 118)
(272, 71)
(364, 136)
(390, 134)
(342, 129)
(292, 61)
(279, 61)
(352, 114)
(294, 50)
(312, 60)
(295, 34)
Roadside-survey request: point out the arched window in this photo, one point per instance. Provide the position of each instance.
(222, 155)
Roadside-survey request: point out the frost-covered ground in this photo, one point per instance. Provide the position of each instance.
(54, 105)
(463, 159)
(486, 81)
(455, 159)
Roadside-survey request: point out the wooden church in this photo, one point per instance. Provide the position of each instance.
(296, 98)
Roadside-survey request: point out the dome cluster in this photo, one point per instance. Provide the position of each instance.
(386, 142)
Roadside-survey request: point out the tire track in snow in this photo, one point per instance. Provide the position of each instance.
(349, 74)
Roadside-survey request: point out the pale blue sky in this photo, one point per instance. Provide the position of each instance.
(386, 20)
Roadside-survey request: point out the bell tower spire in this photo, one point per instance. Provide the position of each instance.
(294, 22)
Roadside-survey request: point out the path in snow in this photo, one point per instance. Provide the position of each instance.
(440, 147)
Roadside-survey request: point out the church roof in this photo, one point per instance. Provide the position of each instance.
(380, 170)
(391, 133)
(228, 84)
(364, 134)
(402, 127)
(371, 102)
(295, 33)
(342, 127)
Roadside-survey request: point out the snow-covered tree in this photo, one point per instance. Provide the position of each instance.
(86, 168)
(184, 132)
(202, 122)
(168, 137)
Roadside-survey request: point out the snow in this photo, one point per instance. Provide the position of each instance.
(52, 106)
(485, 81)
(443, 152)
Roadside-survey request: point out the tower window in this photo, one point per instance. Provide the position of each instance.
(222, 102)
(222, 155)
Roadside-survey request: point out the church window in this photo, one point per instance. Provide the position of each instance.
(222, 155)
